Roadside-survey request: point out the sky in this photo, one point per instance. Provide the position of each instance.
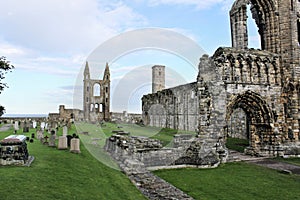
(49, 42)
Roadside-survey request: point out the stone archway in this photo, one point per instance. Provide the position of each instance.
(260, 119)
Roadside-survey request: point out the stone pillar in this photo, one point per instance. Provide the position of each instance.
(75, 145)
(62, 142)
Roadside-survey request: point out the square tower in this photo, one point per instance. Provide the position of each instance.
(158, 78)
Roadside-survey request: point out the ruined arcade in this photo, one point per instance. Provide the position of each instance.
(240, 91)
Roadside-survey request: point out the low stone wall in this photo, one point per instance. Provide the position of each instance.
(188, 150)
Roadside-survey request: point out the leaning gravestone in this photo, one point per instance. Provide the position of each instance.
(65, 131)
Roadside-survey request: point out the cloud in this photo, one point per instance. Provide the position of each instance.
(64, 26)
(204, 4)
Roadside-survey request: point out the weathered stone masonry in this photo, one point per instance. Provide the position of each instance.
(263, 84)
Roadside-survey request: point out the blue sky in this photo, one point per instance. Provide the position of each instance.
(48, 42)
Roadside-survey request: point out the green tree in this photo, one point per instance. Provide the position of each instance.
(5, 67)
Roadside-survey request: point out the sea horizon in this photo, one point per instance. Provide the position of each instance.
(23, 115)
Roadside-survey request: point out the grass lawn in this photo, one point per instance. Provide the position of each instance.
(59, 174)
(237, 144)
(234, 181)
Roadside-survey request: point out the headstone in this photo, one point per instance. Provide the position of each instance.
(62, 142)
(34, 124)
(75, 145)
(52, 139)
(43, 125)
(16, 126)
(21, 125)
(45, 140)
(53, 132)
(65, 131)
(40, 134)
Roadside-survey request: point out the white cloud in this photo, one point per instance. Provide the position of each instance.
(204, 4)
(64, 26)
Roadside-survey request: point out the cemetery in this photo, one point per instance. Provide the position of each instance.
(92, 179)
(174, 152)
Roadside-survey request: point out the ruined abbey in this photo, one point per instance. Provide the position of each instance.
(241, 92)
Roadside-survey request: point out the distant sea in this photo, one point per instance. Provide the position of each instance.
(24, 115)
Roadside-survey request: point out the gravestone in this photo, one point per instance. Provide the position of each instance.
(52, 139)
(75, 145)
(43, 125)
(65, 131)
(34, 124)
(45, 140)
(40, 134)
(62, 142)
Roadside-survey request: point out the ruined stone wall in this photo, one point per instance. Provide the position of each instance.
(125, 117)
(150, 152)
(263, 83)
(96, 104)
(250, 80)
(172, 108)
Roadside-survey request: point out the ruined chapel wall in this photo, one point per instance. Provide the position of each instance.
(172, 108)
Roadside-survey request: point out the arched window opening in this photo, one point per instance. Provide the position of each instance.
(97, 89)
(298, 30)
(96, 107)
(92, 108)
(100, 108)
(254, 39)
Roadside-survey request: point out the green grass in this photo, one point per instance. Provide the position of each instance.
(234, 181)
(237, 144)
(59, 174)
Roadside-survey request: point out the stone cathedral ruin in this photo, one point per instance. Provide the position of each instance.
(240, 91)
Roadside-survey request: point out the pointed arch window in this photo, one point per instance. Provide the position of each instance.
(298, 30)
(97, 91)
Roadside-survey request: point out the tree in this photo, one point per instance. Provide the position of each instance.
(5, 67)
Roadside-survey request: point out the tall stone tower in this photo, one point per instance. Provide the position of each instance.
(96, 96)
(158, 78)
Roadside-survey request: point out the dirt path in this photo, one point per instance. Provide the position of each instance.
(235, 156)
(280, 166)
